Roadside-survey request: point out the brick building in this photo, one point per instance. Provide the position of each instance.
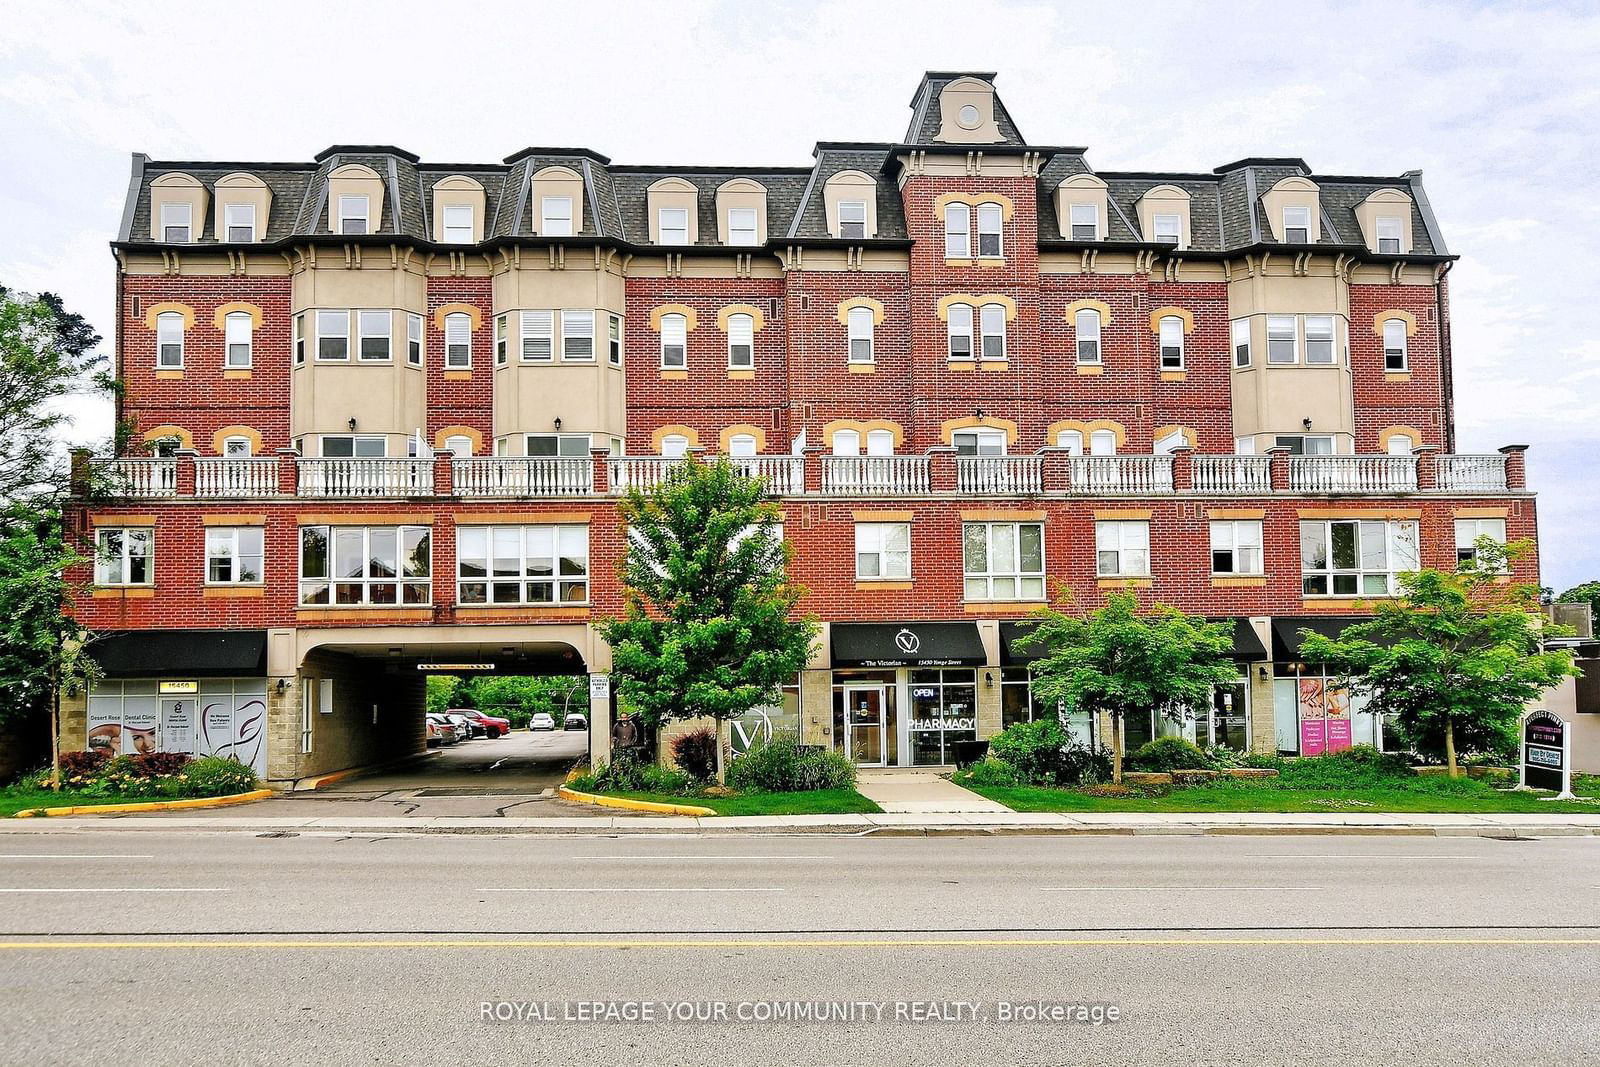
(382, 408)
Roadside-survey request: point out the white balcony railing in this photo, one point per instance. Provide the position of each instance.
(235, 476)
(1120, 475)
(366, 477)
(138, 477)
(998, 474)
(1233, 475)
(784, 475)
(1472, 474)
(521, 476)
(874, 474)
(639, 472)
(1353, 474)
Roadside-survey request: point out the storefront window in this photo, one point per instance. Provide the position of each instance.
(865, 721)
(1019, 704)
(944, 710)
(758, 725)
(1312, 714)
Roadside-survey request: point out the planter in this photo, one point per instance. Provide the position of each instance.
(1193, 777)
(1249, 772)
(1146, 778)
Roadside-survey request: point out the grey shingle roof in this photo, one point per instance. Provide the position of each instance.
(925, 116)
(831, 160)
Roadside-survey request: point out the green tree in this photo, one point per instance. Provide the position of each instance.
(46, 353)
(1456, 657)
(707, 627)
(1587, 593)
(1119, 660)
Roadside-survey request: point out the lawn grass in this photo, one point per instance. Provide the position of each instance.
(1422, 795)
(21, 798)
(813, 802)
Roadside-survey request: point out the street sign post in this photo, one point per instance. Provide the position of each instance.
(1547, 754)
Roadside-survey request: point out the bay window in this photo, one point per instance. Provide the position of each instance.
(1319, 340)
(538, 336)
(577, 335)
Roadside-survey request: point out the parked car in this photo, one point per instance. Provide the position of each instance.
(541, 721)
(493, 726)
(441, 731)
(467, 728)
(576, 720)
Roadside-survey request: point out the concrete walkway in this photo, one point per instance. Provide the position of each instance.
(921, 792)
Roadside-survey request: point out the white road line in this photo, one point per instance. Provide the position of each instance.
(688, 856)
(1182, 889)
(1371, 856)
(637, 889)
(69, 856)
(126, 889)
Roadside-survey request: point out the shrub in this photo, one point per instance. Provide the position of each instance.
(1357, 767)
(157, 764)
(1035, 749)
(627, 774)
(217, 776)
(83, 764)
(782, 765)
(518, 717)
(1168, 754)
(993, 772)
(696, 753)
(1221, 756)
(1263, 761)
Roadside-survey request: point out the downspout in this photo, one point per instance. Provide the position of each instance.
(1441, 301)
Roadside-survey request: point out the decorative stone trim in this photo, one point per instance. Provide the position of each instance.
(155, 311)
(475, 436)
(976, 302)
(1089, 305)
(690, 318)
(219, 317)
(730, 432)
(1087, 428)
(862, 428)
(1171, 312)
(944, 200)
(861, 302)
(472, 311)
(950, 426)
(1388, 432)
(253, 435)
(668, 431)
(160, 433)
(725, 313)
(1394, 313)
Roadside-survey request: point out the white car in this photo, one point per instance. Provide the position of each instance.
(541, 721)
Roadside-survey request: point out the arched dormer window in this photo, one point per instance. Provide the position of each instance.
(177, 209)
(742, 213)
(1164, 216)
(557, 195)
(1081, 208)
(673, 205)
(243, 206)
(458, 210)
(1293, 211)
(850, 202)
(355, 200)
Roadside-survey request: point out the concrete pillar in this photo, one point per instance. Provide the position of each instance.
(816, 707)
(74, 720)
(988, 701)
(283, 727)
(1262, 722)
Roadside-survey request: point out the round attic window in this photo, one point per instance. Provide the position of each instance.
(968, 116)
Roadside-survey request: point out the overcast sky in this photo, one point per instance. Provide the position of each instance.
(1497, 106)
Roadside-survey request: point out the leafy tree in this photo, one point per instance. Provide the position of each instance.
(1456, 657)
(1588, 592)
(46, 353)
(1119, 660)
(706, 629)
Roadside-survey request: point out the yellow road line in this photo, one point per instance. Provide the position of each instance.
(506, 943)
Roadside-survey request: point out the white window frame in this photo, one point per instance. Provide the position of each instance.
(1170, 342)
(1103, 443)
(455, 231)
(237, 447)
(674, 446)
(458, 349)
(880, 442)
(534, 542)
(957, 231)
(1001, 580)
(1239, 335)
(1083, 215)
(742, 446)
(1277, 323)
(355, 439)
(1122, 548)
(987, 314)
(1400, 444)
(1395, 330)
(860, 323)
(502, 343)
(577, 327)
(741, 342)
(567, 445)
(375, 324)
(1296, 218)
(1086, 335)
(1241, 540)
(348, 214)
(231, 213)
(458, 445)
(169, 222)
(982, 442)
(326, 316)
(678, 227)
(1306, 443)
(238, 340)
(168, 325)
(991, 231)
(1469, 530)
(407, 586)
(960, 322)
(229, 545)
(113, 567)
(537, 329)
(846, 442)
(614, 339)
(883, 551)
(674, 341)
(1322, 350)
(1071, 440)
(414, 339)
(742, 227)
(1167, 229)
(1394, 534)
(1387, 229)
(853, 207)
(558, 222)
(300, 339)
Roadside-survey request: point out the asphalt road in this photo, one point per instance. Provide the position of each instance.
(165, 947)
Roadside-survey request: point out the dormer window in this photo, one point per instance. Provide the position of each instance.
(1085, 222)
(853, 219)
(177, 223)
(1297, 225)
(353, 215)
(957, 231)
(240, 220)
(989, 219)
(674, 225)
(742, 226)
(555, 216)
(458, 224)
(1168, 229)
(1388, 235)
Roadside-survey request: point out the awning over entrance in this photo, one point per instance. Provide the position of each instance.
(1246, 645)
(183, 653)
(917, 644)
(1286, 632)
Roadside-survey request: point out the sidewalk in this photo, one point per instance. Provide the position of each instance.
(891, 824)
(922, 792)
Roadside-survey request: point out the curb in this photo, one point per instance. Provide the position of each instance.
(148, 805)
(626, 804)
(315, 782)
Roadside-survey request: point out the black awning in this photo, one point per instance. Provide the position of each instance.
(1246, 642)
(182, 654)
(1286, 631)
(1010, 634)
(912, 644)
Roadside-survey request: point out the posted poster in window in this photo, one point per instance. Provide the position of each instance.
(105, 726)
(1313, 717)
(1336, 703)
(177, 725)
(234, 728)
(138, 727)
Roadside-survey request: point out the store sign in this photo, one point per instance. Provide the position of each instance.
(883, 645)
(1546, 753)
(943, 724)
(1324, 717)
(179, 688)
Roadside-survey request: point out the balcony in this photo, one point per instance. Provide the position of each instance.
(1233, 475)
(638, 472)
(137, 478)
(519, 476)
(1353, 474)
(999, 475)
(874, 475)
(365, 477)
(236, 477)
(1473, 474)
(1119, 475)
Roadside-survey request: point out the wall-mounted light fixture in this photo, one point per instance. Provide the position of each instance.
(1306, 423)
(558, 424)
(1264, 673)
(988, 679)
(978, 414)
(352, 425)
(282, 686)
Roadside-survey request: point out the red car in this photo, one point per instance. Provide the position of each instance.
(492, 726)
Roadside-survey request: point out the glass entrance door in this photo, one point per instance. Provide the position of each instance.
(864, 725)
